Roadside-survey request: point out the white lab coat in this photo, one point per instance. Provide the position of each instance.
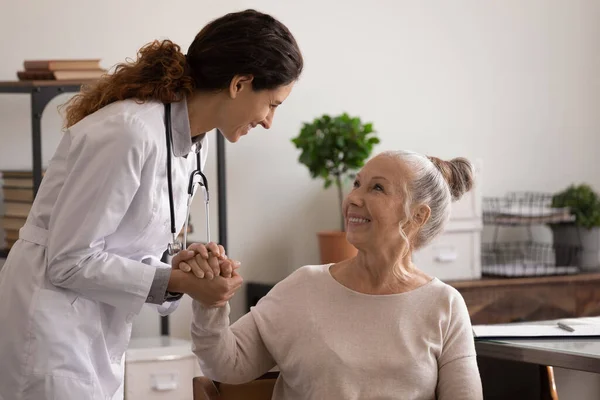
(86, 258)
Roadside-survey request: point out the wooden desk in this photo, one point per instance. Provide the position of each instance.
(505, 300)
(521, 363)
(492, 301)
(576, 354)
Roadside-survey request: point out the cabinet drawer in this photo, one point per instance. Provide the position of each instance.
(451, 256)
(160, 379)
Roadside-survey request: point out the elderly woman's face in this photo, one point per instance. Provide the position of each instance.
(374, 209)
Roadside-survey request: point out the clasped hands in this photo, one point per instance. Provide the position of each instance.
(206, 274)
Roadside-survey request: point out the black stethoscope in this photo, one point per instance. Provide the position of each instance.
(196, 178)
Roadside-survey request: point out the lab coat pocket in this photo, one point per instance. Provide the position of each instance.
(59, 338)
(57, 387)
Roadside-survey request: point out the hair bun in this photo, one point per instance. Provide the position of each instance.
(458, 173)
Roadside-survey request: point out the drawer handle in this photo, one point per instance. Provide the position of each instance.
(164, 382)
(446, 256)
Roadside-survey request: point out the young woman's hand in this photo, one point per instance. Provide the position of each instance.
(207, 262)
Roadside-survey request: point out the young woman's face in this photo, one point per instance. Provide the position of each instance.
(247, 108)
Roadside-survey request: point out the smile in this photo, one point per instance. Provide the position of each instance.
(356, 220)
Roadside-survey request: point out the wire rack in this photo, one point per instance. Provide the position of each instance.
(523, 208)
(521, 259)
(528, 257)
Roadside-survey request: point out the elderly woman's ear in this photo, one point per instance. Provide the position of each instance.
(421, 215)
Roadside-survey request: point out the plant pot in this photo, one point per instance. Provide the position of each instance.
(334, 247)
(588, 240)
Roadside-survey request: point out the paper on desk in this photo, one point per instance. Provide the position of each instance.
(537, 330)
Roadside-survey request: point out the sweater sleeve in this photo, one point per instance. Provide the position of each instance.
(229, 354)
(458, 373)
(249, 348)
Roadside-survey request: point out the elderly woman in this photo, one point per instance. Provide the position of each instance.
(371, 327)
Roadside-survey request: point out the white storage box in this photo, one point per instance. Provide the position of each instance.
(160, 368)
(468, 207)
(453, 255)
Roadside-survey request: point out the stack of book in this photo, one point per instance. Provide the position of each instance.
(17, 195)
(71, 70)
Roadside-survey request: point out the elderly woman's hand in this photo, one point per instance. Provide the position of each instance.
(214, 292)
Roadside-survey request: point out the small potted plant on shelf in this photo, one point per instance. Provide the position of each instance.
(333, 148)
(584, 232)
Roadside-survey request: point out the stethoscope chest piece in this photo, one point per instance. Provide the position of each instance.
(174, 247)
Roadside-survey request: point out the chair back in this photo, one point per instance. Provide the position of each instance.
(258, 389)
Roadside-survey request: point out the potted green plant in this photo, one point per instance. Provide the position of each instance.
(584, 204)
(333, 148)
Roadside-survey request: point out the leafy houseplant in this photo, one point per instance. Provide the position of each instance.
(583, 202)
(333, 148)
(584, 232)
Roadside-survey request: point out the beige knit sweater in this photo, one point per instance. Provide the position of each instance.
(330, 342)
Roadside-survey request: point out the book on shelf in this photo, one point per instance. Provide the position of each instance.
(11, 234)
(60, 75)
(17, 174)
(61, 64)
(17, 178)
(61, 69)
(16, 192)
(12, 223)
(18, 195)
(10, 237)
(12, 209)
(17, 183)
(10, 227)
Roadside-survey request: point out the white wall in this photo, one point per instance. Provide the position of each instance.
(514, 83)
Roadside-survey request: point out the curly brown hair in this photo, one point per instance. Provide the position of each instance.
(157, 74)
(241, 43)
